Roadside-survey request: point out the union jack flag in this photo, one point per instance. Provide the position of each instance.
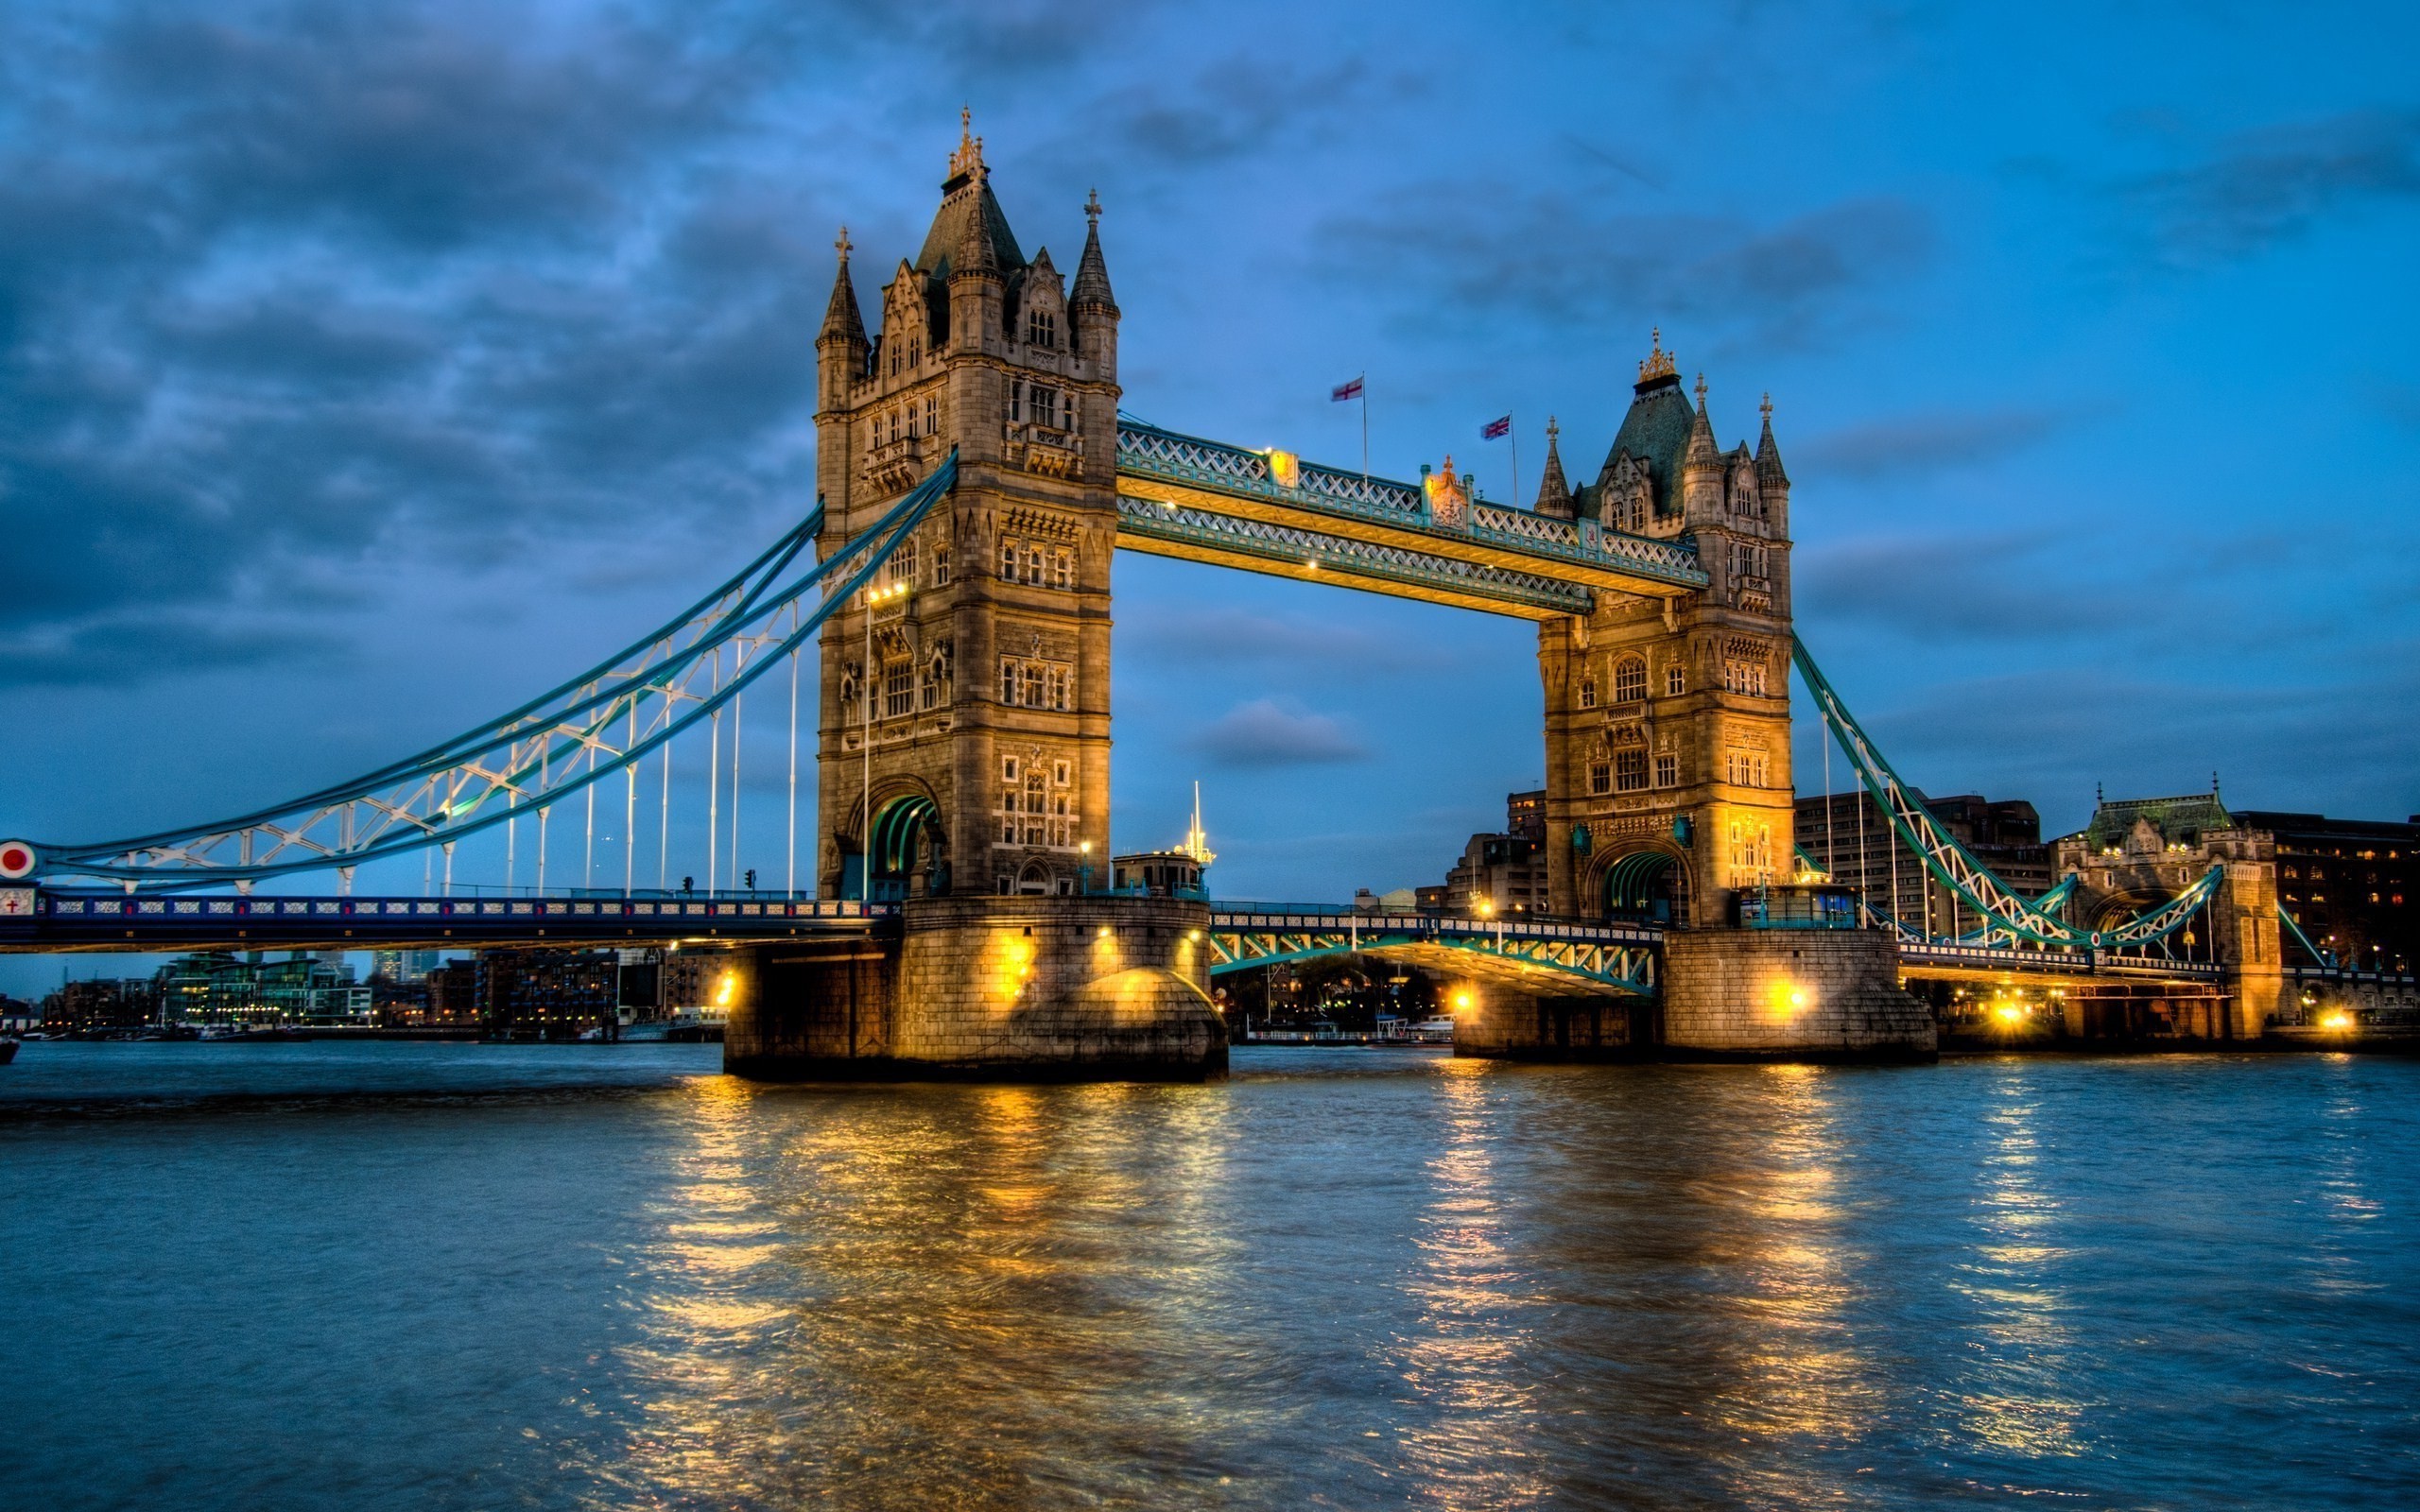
(1344, 392)
(1494, 428)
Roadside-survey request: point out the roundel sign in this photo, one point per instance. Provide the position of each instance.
(16, 860)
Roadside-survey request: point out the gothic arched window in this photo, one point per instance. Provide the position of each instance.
(1630, 680)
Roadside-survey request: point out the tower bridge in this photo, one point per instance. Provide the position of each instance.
(974, 476)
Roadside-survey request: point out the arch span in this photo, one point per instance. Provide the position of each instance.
(1645, 885)
(901, 830)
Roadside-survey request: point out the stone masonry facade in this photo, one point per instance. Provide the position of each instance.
(1668, 720)
(982, 681)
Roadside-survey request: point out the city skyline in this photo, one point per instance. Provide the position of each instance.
(384, 426)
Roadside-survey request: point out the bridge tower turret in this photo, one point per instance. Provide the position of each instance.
(1668, 720)
(968, 753)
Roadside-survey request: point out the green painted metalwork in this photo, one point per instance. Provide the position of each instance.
(1290, 547)
(1950, 862)
(582, 732)
(1150, 453)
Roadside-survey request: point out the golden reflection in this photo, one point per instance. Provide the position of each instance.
(1466, 1357)
(1799, 1372)
(2014, 1284)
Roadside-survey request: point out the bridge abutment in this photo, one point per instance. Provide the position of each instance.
(1066, 988)
(1761, 994)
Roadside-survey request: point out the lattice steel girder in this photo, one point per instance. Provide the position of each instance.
(1954, 866)
(1191, 471)
(593, 727)
(1163, 529)
(1620, 964)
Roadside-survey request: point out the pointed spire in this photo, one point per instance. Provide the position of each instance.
(1702, 452)
(1554, 491)
(842, 321)
(1769, 468)
(1659, 362)
(967, 162)
(974, 255)
(1091, 274)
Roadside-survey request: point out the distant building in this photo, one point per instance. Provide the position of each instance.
(454, 996)
(1848, 835)
(404, 968)
(2348, 885)
(548, 994)
(219, 988)
(100, 1004)
(1525, 814)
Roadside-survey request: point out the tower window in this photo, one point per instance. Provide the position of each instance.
(1044, 404)
(932, 414)
(1041, 328)
(1668, 771)
(1676, 681)
(1630, 680)
(1629, 770)
(1600, 777)
(1587, 692)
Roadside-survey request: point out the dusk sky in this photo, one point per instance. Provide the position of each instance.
(365, 370)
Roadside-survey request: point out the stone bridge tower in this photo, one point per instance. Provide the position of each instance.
(1668, 720)
(979, 690)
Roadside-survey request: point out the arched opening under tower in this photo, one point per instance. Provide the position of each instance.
(1646, 884)
(902, 831)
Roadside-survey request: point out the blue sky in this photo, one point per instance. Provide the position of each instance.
(363, 369)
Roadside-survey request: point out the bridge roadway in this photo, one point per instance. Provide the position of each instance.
(1535, 956)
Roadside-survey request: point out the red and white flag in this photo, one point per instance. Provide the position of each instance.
(1495, 429)
(1344, 392)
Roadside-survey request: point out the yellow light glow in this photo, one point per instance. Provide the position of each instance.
(2336, 1021)
(724, 988)
(2009, 1012)
(1462, 1002)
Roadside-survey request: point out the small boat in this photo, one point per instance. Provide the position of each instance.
(8, 1051)
(1434, 1031)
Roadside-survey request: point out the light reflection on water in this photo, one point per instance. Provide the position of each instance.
(1341, 1280)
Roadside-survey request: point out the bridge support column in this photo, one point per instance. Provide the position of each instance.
(1496, 1022)
(1048, 988)
(1757, 994)
(2248, 946)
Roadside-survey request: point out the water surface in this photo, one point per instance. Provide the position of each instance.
(378, 1275)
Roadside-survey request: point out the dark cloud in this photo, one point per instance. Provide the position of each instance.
(1263, 733)
(283, 286)
(1235, 107)
(1564, 261)
(2269, 186)
(1911, 444)
(136, 649)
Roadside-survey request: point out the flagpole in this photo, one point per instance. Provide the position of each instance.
(1515, 437)
(1364, 382)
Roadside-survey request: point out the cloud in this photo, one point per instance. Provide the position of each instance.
(1262, 734)
(1563, 260)
(1920, 443)
(136, 649)
(2272, 184)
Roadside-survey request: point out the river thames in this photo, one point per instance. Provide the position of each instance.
(376, 1275)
